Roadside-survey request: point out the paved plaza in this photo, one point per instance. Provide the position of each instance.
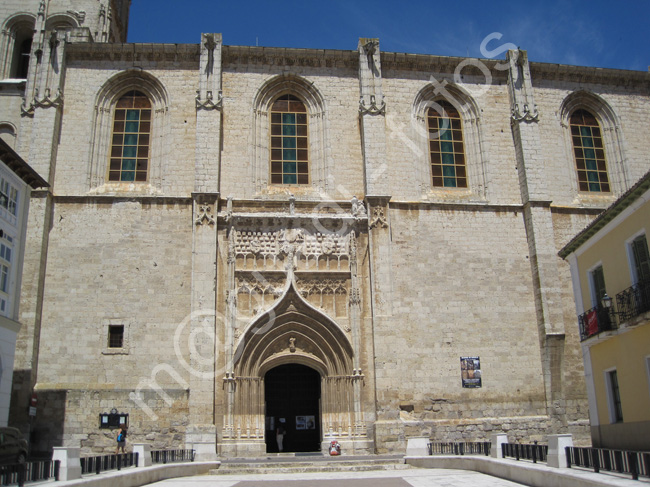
(405, 478)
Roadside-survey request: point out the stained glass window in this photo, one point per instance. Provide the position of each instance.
(129, 159)
(446, 146)
(289, 141)
(589, 152)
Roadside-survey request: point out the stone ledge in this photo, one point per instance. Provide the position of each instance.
(535, 475)
(137, 476)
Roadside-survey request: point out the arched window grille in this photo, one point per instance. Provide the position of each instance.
(589, 152)
(289, 141)
(129, 158)
(446, 146)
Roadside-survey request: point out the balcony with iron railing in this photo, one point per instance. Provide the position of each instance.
(630, 303)
(633, 302)
(595, 321)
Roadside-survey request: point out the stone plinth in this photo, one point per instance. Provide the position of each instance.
(497, 440)
(144, 454)
(70, 462)
(556, 450)
(417, 446)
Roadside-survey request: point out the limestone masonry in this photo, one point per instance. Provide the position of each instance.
(298, 206)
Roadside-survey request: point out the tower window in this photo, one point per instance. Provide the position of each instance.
(446, 146)
(289, 141)
(129, 160)
(23, 61)
(589, 152)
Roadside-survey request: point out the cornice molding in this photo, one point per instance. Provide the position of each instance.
(280, 56)
(541, 72)
(96, 51)
(331, 58)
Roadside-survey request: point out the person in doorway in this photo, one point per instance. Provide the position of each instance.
(121, 440)
(279, 434)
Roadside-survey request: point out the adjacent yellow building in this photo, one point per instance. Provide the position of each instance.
(610, 269)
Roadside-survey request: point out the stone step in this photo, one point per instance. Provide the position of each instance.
(341, 461)
(338, 465)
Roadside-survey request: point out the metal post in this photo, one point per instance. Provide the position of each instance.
(618, 461)
(634, 467)
(595, 459)
(21, 474)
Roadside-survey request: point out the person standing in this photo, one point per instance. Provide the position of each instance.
(279, 435)
(121, 440)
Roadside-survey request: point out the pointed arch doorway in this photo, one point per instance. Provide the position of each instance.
(292, 401)
(292, 333)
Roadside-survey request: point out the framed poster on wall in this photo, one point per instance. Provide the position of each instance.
(305, 422)
(470, 371)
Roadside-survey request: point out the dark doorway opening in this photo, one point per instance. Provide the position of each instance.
(292, 393)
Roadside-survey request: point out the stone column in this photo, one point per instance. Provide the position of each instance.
(372, 112)
(538, 220)
(229, 382)
(201, 434)
(70, 462)
(46, 105)
(208, 115)
(372, 117)
(380, 255)
(358, 376)
(38, 143)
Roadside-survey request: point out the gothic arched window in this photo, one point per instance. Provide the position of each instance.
(15, 46)
(130, 146)
(446, 147)
(22, 61)
(289, 141)
(589, 152)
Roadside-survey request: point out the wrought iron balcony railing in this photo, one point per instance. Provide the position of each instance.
(634, 301)
(596, 320)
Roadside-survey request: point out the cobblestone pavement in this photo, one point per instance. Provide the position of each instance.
(405, 478)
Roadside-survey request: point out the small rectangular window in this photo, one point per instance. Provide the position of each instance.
(647, 368)
(116, 336)
(641, 259)
(4, 278)
(614, 396)
(598, 285)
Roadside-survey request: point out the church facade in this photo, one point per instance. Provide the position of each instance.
(358, 245)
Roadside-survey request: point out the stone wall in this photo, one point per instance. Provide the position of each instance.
(107, 265)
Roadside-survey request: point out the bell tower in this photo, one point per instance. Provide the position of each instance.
(27, 30)
(33, 39)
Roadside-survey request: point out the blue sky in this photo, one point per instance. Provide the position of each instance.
(587, 33)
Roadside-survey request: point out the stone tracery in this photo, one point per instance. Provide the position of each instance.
(292, 283)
